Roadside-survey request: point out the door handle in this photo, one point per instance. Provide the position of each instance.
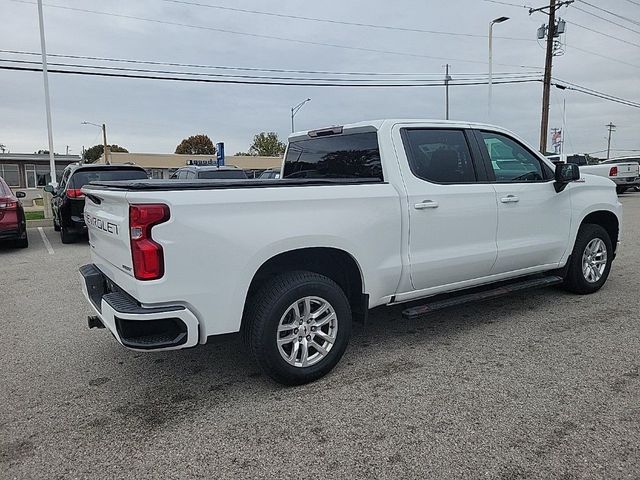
(426, 204)
(510, 199)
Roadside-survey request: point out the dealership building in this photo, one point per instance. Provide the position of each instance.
(163, 165)
(29, 172)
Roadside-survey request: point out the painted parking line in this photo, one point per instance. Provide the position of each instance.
(46, 241)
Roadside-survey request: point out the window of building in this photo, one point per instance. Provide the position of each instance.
(40, 175)
(10, 174)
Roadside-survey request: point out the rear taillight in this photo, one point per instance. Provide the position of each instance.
(4, 205)
(613, 172)
(147, 255)
(74, 193)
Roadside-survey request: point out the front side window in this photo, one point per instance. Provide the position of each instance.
(439, 156)
(511, 162)
(10, 175)
(355, 155)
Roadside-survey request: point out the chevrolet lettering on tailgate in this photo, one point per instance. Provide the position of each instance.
(101, 224)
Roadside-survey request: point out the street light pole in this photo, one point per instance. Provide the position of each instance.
(295, 110)
(47, 102)
(497, 20)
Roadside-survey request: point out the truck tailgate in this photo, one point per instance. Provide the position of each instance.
(107, 217)
(627, 170)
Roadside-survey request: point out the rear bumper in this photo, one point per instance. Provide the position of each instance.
(627, 181)
(137, 327)
(13, 233)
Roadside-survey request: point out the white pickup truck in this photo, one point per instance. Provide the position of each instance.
(625, 174)
(374, 213)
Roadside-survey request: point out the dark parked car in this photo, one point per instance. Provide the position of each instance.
(270, 174)
(13, 224)
(210, 172)
(68, 200)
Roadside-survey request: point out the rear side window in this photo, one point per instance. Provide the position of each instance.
(228, 174)
(341, 156)
(83, 177)
(4, 190)
(439, 156)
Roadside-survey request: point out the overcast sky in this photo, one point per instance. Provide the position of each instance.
(153, 116)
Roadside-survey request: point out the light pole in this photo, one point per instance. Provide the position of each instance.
(104, 140)
(295, 110)
(47, 102)
(497, 20)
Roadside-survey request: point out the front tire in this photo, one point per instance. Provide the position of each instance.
(590, 261)
(298, 327)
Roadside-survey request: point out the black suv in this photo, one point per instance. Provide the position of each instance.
(68, 200)
(210, 172)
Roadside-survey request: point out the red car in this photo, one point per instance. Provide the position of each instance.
(13, 224)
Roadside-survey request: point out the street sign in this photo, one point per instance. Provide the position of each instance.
(220, 153)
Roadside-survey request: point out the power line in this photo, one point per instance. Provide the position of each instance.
(263, 36)
(606, 57)
(253, 77)
(338, 22)
(630, 20)
(634, 2)
(261, 82)
(250, 69)
(606, 19)
(595, 93)
(602, 33)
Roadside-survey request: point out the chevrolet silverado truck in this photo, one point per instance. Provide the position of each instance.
(374, 213)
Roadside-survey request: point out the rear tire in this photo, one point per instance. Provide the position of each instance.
(297, 327)
(56, 225)
(592, 250)
(66, 236)
(621, 190)
(23, 242)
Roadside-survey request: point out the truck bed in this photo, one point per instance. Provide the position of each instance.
(219, 184)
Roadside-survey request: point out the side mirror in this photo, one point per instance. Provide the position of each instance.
(49, 189)
(20, 194)
(565, 173)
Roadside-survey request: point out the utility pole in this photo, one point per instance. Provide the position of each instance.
(447, 79)
(107, 160)
(612, 128)
(548, 65)
(47, 102)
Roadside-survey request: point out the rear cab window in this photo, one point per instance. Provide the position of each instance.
(348, 155)
(82, 177)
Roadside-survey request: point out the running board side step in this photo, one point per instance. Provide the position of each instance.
(413, 313)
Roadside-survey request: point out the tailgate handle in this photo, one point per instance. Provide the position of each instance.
(93, 198)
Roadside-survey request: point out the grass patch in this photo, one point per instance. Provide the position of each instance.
(34, 215)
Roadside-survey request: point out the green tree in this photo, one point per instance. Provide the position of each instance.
(267, 145)
(94, 153)
(196, 145)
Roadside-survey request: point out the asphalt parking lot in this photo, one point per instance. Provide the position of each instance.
(540, 384)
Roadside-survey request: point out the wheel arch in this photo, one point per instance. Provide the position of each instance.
(334, 263)
(607, 220)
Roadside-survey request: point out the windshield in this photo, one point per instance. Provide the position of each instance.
(239, 174)
(82, 177)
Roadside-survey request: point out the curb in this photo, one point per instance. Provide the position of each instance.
(40, 223)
